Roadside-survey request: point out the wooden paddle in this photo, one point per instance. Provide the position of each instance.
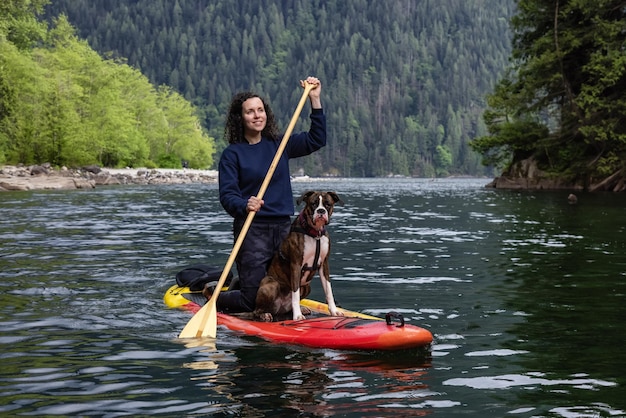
(204, 322)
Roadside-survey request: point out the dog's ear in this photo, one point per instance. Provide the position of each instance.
(304, 197)
(336, 198)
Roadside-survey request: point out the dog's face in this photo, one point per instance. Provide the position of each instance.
(318, 207)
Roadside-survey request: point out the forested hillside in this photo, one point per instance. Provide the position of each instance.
(404, 81)
(61, 103)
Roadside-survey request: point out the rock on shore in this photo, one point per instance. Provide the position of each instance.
(526, 175)
(43, 177)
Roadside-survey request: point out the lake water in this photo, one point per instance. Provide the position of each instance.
(524, 294)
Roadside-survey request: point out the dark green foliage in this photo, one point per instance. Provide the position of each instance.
(564, 103)
(404, 81)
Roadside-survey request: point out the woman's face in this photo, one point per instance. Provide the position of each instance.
(254, 117)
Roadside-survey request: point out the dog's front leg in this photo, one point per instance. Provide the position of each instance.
(328, 290)
(295, 306)
(295, 294)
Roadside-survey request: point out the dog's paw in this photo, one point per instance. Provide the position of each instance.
(265, 317)
(336, 312)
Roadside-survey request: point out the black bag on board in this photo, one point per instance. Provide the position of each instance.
(196, 276)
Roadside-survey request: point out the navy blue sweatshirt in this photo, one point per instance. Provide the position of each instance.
(243, 167)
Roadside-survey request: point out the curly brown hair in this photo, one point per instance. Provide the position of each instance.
(233, 129)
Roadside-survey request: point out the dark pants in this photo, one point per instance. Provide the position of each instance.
(253, 260)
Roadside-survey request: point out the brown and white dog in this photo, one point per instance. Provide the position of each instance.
(304, 252)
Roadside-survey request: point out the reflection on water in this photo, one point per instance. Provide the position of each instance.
(523, 292)
(322, 383)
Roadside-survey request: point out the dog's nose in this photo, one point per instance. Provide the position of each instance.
(321, 211)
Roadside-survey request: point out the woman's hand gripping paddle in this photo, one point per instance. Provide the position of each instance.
(204, 322)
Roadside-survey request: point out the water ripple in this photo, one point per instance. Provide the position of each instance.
(527, 380)
(514, 286)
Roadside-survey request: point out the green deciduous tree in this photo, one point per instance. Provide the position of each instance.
(184, 135)
(62, 103)
(19, 22)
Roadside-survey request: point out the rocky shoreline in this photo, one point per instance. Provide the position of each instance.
(526, 175)
(43, 177)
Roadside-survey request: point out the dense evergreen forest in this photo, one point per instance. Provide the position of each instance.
(404, 82)
(560, 112)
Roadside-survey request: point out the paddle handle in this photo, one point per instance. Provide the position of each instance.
(292, 123)
(212, 303)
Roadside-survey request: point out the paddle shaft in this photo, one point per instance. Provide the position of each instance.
(208, 323)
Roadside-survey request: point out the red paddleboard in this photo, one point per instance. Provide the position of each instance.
(353, 331)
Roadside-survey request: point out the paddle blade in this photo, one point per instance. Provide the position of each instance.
(203, 323)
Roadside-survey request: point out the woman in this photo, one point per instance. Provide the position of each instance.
(253, 140)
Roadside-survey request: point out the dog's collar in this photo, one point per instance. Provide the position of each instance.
(304, 228)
